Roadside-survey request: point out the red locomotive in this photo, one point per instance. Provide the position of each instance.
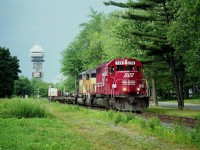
(117, 84)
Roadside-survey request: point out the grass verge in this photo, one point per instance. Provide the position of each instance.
(74, 127)
(174, 112)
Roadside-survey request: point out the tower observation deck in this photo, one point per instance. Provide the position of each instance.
(37, 57)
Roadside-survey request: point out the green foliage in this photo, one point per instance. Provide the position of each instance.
(9, 69)
(184, 35)
(71, 83)
(92, 52)
(39, 88)
(196, 95)
(117, 39)
(85, 52)
(17, 108)
(22, 87)
(71, 63)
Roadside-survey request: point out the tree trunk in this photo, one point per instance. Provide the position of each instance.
(178, 80)
(154, 95)
(178, 70)
(179, 91)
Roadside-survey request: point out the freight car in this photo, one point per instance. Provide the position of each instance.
(117, 84)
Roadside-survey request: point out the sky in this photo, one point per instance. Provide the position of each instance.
(52, 24)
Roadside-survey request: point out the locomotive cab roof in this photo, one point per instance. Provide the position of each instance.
(91, 71)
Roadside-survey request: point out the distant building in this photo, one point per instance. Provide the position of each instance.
(37, 57)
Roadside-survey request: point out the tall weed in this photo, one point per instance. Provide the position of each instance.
(129, 117)
(195, 136)
(18, 108)
(118, 118)
(153, 122)
(110, 114)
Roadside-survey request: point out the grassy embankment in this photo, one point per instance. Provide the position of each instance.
(38, 124)
(189, 101)
(175, 112)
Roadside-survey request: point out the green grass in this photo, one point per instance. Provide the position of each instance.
(19, 108)
(74, 127)
(192, 101)
(175, 112)
(38, 134)
(189, 101)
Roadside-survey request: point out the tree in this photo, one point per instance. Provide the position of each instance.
(154, 18)
(22, 87)
(184, 35)
(85, 52)
(92, 52)
(39, 88)
(9, 69)
(117, 40)
(101, 39)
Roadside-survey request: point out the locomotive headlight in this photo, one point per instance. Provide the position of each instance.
(124, 89)
(141, 85)
(138, 89)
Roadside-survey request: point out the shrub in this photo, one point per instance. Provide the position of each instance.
(17, 108)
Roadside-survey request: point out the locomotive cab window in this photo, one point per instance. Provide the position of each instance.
(129, 68)
(139, 68)
(120, 68)
(125, 68)
(87, 76)
(112, 69)
(93, 75)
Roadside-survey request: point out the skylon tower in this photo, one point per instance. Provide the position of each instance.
(37, 57)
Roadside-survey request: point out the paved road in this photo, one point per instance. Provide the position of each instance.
(175, 105)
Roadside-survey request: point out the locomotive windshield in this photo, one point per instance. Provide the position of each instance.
(125, 68)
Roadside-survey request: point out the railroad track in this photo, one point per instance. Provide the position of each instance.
(189, 122)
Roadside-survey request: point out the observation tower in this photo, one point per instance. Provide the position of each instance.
(37, 55)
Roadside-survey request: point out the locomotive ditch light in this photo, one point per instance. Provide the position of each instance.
(138, 89)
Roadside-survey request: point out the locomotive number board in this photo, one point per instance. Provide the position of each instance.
(122, 63)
